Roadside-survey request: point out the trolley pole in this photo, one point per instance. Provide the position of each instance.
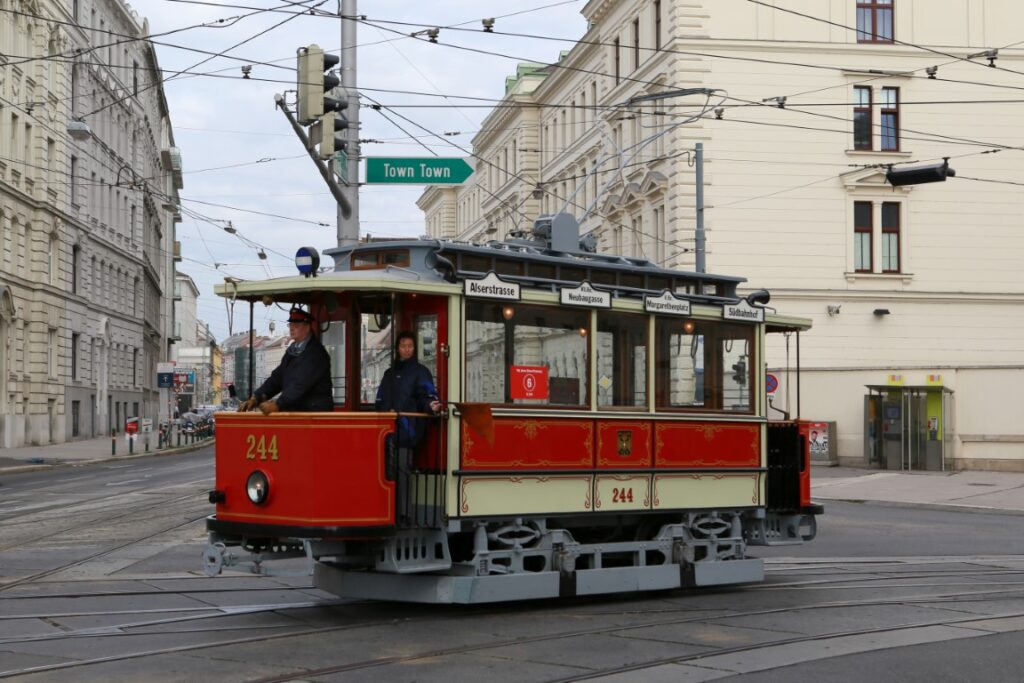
(699, 248)
(348, 228)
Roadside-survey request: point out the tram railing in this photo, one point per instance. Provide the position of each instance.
(419, 473)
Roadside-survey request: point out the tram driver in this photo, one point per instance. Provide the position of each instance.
(302, 381)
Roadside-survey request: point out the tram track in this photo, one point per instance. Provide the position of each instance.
(721, 619)
(98, 554)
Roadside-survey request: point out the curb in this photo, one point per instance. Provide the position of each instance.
(948, 507)
(39, 467)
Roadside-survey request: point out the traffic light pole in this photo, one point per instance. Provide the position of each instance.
(344, 208)
(348, 222)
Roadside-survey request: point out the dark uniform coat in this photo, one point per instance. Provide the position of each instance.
(303, 379)
(407, 387)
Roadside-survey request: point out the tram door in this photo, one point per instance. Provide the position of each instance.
(427, 318)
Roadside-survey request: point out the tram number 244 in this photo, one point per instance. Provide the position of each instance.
(622, 495)
(262, 447)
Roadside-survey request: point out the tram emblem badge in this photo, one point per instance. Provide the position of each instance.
(625, 443)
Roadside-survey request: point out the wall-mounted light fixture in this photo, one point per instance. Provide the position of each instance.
(881, 311)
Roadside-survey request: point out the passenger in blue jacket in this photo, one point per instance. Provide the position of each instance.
(302, 382)
(408, 387)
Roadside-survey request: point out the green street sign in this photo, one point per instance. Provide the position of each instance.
(417, 170)
(340, 166)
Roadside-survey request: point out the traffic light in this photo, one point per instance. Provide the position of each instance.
(323, 134)
(740, 372)
(936, 173)
(313, 84)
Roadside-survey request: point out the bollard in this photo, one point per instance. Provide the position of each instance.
(131, 445)
(113, 443)
(179, 438)
(146, 442)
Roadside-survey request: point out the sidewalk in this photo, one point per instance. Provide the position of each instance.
(29, 458)
(974, 490)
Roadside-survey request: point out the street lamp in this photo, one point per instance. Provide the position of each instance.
(79, 129)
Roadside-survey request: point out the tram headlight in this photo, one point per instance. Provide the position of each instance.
(257, 486)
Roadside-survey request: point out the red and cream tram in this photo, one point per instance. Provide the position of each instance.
(606, 429)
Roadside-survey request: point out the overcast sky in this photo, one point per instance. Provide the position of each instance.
(242, 160)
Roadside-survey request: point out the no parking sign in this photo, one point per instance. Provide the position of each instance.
(528, 381)
(771, 383)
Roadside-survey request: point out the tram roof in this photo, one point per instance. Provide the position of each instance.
(549, 257)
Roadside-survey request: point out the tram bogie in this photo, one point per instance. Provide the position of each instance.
(606, 431)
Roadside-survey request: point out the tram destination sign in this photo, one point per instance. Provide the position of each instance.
(585, 295)
(417, 170)
(667, 303)
(491, 287)
(743, 311)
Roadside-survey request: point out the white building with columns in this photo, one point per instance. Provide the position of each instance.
(917, 350)
(89, 177)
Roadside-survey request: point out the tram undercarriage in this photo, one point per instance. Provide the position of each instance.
(474, 561)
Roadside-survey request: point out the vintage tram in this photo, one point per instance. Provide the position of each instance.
(606, 430)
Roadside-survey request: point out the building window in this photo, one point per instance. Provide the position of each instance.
(862, 237)
(615, 47)
(890, 237)
(135, 78)
(74, 355)
(890, 119)
(74, 180)
(657, 24)
(874, 21)
(76, 254)
(51, 358)
(861, 117)
(636, 43)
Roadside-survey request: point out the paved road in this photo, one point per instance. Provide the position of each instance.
(100, 580)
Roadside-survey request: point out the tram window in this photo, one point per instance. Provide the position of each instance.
(504, 267)
(555, 339)
(504, 341)
(621, 346)
(426, 342)
(478, 264)
(679, 368)
(380, 259)
(704, 364)
(485, 353)
(542, 270)
(333, 340)
(573, 274)
(633, 280)
(659, 283)
(375, 357)
(734, 379)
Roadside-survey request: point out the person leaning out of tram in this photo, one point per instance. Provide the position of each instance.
(408, 387)
(302, 381)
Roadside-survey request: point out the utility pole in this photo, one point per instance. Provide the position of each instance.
(699, 248)
(348, 228)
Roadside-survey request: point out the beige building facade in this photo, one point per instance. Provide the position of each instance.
(89, 176)
(917, 350)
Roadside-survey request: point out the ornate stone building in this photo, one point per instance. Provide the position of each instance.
(915, 292)
(89, 177)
